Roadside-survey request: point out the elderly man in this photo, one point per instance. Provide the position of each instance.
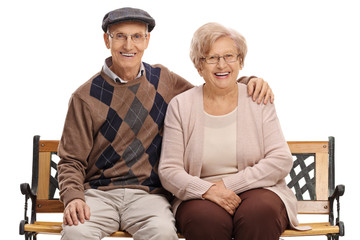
(110, 147)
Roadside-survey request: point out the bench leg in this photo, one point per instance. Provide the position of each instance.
(27, 236)
(333, 236)
(30, 236)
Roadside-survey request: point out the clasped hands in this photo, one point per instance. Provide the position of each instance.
(222, 196)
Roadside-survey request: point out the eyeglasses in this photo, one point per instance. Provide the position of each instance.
(121, 37)
(229, 58)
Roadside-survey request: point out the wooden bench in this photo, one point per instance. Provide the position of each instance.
(312, 179)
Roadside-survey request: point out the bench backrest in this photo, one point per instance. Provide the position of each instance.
(311, 178)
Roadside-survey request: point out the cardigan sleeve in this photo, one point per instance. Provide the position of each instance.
(173, 173)
(275, 163)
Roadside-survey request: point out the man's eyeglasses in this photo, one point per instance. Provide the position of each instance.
(229, 58)
(121, 37)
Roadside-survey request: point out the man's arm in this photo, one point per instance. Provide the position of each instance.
(258, 89)
(74, 147)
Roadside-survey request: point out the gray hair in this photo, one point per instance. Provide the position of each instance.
(207, 34)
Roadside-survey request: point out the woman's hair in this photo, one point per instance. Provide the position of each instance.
(207, 34)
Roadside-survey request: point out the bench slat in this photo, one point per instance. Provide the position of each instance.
(48, 145)
(317, 229)
(322, 176)
(308, 146)
(313, 207)
(44, 172)
(49, 206)
(304, 207)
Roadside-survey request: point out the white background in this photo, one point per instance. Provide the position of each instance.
(307, 50)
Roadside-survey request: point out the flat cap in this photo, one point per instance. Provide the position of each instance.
(128, 14)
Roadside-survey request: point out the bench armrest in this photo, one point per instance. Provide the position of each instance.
(26, 190)
(338, 192)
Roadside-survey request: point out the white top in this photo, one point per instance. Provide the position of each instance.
(219, 155)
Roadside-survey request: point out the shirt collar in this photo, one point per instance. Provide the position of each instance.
(116, 78)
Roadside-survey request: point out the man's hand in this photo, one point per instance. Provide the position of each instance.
(225, 198)
(260, 90)
(76, 210)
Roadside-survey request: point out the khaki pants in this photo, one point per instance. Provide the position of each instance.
(145, 216)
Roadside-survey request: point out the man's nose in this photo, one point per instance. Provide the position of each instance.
(128, 43)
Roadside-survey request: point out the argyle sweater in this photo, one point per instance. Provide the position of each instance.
(113, 132)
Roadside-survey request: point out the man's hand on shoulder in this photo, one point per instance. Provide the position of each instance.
(260, 90)
(76, 210)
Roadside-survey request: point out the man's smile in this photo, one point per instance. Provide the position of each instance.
(128, 54)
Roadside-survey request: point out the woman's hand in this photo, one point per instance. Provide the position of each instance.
(224, 197)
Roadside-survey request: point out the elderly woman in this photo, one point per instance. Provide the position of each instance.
(224, 157)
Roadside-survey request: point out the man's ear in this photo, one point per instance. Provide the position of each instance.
(107, 40)
(147, 40)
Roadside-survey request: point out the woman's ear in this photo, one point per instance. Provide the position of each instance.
(241, 64)
(200, 71)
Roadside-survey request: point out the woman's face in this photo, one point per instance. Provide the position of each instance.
(222, 75)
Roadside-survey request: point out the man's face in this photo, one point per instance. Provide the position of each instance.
(126, 54)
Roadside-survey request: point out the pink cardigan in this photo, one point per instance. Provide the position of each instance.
(263, 156)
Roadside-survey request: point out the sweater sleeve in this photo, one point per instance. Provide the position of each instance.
(276, 163)
(74, 148)
(173, 173)
(180, 84)
(245, 80)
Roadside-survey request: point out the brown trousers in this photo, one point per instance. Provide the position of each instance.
(260, 216)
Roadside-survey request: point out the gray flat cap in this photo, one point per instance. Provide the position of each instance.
(128, 14)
